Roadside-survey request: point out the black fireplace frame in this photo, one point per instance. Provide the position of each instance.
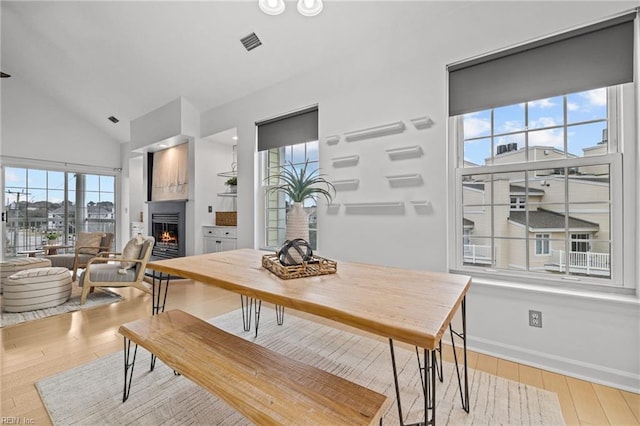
(161, 209)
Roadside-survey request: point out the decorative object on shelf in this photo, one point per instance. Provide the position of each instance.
(422, 122)
(294, 252)
(316, 266)
(399, 181)
(346, 185)
(375, 208)
(227, 218)
(373, 132)
(404, 152)
(347, 161)
(332, 140)
(299, 185)
(232, 183)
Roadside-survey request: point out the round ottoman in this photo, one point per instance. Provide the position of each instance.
(36, 288)
(11, 266)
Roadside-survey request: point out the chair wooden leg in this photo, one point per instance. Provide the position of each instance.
(85, 292)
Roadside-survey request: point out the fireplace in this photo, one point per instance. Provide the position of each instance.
(168, 228)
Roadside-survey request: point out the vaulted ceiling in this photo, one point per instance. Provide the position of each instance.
(125, 59)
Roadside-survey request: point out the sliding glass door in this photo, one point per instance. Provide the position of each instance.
(45, 206)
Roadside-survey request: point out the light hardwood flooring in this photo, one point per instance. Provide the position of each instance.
(41, 348)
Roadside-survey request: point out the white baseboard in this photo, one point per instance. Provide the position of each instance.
(593, 373)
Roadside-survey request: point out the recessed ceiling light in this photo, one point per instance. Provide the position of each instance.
(113, 119)
(235, 138)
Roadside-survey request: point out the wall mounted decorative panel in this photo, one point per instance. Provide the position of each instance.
(399, 181)
(332, 140)
(346, 185)
(404, 152)
(422, 122)
(372, 132)
(348, 161)
(384, 208)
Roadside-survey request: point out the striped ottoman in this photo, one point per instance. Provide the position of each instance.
(36, 288)
(11, 266)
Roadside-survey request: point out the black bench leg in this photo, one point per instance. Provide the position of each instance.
(129, 362)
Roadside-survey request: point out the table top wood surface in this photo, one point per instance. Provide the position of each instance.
(410, 306)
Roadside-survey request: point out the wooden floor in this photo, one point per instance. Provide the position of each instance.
(38, 349)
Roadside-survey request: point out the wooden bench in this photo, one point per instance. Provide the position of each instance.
(264, 386)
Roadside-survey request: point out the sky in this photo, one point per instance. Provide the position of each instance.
(545, 116)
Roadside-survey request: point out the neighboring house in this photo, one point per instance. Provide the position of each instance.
(538, 200)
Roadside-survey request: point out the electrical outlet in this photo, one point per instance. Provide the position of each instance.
(210, 209)
(535, 319)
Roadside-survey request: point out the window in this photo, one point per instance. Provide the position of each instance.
(540, 159)
(542, 244)
(55, 203)
(284, 142)
(277, 204)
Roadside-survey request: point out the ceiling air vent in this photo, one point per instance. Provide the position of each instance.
(251, 41)
(113, 119)
(4, 75)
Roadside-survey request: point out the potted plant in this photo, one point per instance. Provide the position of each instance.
(51, 237)
(232, 182)
(300, 185)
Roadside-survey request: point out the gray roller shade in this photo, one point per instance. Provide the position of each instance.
(291, 129)
(598, 55)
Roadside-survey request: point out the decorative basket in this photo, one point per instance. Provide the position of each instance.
(317, 266)
(227, 218)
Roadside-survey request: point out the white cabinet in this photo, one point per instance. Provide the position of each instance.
(219, 238)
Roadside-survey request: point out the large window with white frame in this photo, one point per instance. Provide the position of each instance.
(49, 206)
(539, 181)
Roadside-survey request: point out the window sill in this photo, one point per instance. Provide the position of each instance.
(627, 299)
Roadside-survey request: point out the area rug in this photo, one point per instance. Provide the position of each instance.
(92, 393)
(100, 296)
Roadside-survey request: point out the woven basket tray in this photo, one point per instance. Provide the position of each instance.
(317, 266)
(227, 218)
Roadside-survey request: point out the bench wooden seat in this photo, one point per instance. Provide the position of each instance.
(264, 386)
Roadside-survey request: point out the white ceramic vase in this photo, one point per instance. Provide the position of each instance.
(297, 223)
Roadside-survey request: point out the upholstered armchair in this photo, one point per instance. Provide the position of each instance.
(124, 269)
(88, 245)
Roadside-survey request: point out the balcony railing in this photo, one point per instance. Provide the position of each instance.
(476, 254)
(589, 263)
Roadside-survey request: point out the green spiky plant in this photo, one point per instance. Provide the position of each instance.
(300, 185)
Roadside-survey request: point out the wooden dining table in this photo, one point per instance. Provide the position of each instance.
(403, 305)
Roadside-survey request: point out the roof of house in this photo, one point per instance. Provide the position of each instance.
(521, 190)
(547, 219)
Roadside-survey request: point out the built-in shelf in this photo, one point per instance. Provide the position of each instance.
(332, 140)
(381, 208)
(422, 122)
(398, 181)
(227, 194)
(422, 206)
(372, 132)
(404, 152)
(347, 161)
(346, 185)
(232, 173)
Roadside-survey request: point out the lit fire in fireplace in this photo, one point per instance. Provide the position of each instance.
(167, 237)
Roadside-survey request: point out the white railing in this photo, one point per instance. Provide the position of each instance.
(473, 253)
(589, 261)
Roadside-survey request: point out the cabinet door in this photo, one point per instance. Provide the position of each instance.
(227, 244)
(210, 245)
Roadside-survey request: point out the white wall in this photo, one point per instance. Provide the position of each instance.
(34, 126)
(400, 76)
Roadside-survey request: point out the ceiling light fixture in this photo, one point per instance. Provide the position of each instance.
(271, 7)
(309, 7)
